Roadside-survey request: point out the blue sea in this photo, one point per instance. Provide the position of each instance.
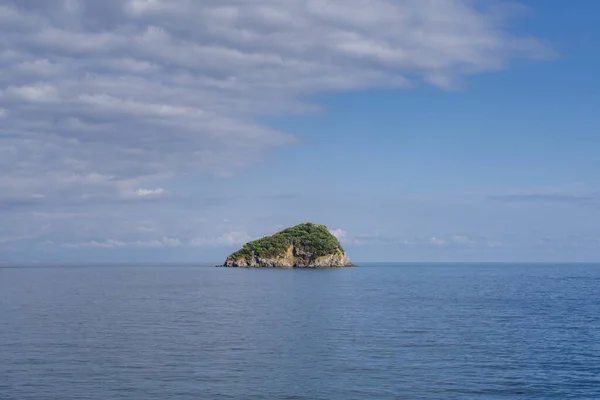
(379, 331)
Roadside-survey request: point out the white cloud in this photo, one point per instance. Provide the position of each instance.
(24, 233)
(437, 241)
(452, 241)
(40, 68)
(106, 244)
(150, 192)
(232, 238)
(106, 101)
(339, 233)
(112, 243)
(9, 239)
(32, 93)
(461, 239)
(129, 64)
(197, 67)
(141, 6)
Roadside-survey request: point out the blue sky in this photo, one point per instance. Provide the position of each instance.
(174, 131)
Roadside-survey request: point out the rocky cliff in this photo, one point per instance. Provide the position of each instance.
(302, 246)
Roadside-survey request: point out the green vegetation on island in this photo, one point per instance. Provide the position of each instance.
(307, 238)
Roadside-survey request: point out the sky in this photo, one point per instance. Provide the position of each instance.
(415, 130)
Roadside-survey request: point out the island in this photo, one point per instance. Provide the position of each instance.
(306, 245)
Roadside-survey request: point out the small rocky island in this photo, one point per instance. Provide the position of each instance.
(302, 246)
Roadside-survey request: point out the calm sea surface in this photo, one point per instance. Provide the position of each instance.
(373, 332)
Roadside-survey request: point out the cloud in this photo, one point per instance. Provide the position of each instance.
(339, 233)
(437, 241)
(112, 243)
(108, 101)
(232, 238)
(23, 233)
(454, 241)
(10, 239)
(225, 239)
(570, 242)
(575, 194)
(397, 239)
(150, 192)
(548, 198)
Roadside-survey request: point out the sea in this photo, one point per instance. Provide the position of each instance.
(378, 331)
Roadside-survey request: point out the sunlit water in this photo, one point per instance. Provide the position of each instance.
(373, 332)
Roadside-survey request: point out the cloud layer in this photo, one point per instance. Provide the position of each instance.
(109, 101)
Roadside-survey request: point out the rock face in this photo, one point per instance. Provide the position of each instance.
(302, 246)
